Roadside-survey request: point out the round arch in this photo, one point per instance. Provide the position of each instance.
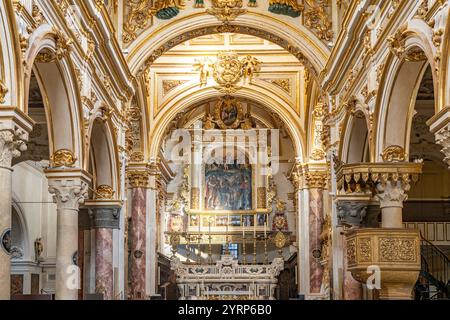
(101, 155)
(58, 85)
(444, 89)
(400, 84)
(11, 91)
(192, 97)
(18, 220)
(298, 40)
(355, 145)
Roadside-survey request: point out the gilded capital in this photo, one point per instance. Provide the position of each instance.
(138, 178)
(316, 179)
(305, 176)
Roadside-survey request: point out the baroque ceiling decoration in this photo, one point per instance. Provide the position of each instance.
(139, 14)
(171, 43)
(228, 71)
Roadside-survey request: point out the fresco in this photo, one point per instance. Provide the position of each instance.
(228, 187)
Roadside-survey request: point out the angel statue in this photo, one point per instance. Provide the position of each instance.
(250, 65)
(204, 67)
(209, 122)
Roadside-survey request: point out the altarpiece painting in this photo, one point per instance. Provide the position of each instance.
(228, 187)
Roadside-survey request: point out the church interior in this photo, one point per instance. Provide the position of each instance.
(224, 150)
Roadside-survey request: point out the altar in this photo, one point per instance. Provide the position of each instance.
(227, 280)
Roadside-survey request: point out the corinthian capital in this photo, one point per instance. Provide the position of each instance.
(12, 144)
(69, 194)
(392, 193)
(69, 188)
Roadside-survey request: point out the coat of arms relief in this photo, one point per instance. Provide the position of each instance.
(228, 71)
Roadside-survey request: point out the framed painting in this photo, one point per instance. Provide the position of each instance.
(228, 187)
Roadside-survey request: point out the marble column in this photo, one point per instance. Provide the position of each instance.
(310, 182)
(12, 143)
(69, 189)
(84, 225)
(152, 230)
(315, 246)
(138, 176)
(105, 217)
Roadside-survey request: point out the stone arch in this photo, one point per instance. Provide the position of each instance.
(102, 155)
(299, 41)
(62, 103)
(191, 97)
(400, 83)
(18, 221)
(355, 146)
(11, 76)
(444, 79)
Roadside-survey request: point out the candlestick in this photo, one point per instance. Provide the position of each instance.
(266, 257)
(227, 249)
(209, 245)
(199, 256)
(254, 250)
(243, 248)
(188, 248)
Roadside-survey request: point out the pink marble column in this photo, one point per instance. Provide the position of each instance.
(315, 247)
(105, 214)
(352, 289)
(138, 238)
(104, 262)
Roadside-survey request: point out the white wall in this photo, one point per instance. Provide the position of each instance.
(38, 214)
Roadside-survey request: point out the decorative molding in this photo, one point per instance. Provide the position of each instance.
(3, 91)
(226, 10)
(397, 41)
(195, 198)
(443, 139)
(261, 197)
(104, 192)
(226, 28)
(394, 154)
(395, 251)
(169, 85)
(363, 178)
(63, 158)
(284, 84)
